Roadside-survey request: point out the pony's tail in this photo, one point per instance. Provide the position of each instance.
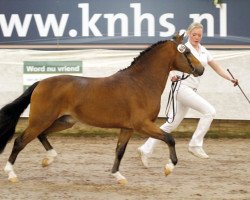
(10, 114)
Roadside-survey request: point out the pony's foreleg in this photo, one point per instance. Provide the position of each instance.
(51, 153)
(150, 129)
(168, 138)
(123, 139)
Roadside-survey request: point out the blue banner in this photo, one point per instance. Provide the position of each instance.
(74, 22)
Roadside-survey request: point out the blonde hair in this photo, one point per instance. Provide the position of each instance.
(193, 26)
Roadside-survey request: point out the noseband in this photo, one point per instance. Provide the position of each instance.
(182, 48)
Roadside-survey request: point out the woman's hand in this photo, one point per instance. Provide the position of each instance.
(175, 78)
(235, 82)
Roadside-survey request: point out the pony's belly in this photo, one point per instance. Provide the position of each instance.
(104, 120)
(68, 119)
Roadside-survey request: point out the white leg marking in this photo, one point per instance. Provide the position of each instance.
(9, 169)
(169, 168)
(51, 154)
(120, 178)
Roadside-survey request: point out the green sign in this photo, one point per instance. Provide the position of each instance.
(51, 67)
(37, 70)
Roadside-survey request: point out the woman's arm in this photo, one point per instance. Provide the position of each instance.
(222, 72)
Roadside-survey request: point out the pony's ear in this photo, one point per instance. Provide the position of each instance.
(175, 37)
(178, 38)
(182, 35)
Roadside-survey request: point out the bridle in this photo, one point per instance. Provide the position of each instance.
(182, 48)
(171, 98)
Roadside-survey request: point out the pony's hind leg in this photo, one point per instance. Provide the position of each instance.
(18, 146)
(51, 153)
(123, 139)
(20, 142)
(34, 128)
(60, 124)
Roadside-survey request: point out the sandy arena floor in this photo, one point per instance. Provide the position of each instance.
(82, 171)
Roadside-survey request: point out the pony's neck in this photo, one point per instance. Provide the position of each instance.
(152, 67)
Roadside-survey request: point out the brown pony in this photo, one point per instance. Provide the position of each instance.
(129, 99)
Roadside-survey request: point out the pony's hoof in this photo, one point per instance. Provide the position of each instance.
(168, 169)
(122, 182)
(51, 154)
(46, 162)
(13, 180)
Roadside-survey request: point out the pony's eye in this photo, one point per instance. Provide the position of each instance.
(181, 48)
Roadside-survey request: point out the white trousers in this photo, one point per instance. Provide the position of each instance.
(186, 98)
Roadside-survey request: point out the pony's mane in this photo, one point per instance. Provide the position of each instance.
(143, 53)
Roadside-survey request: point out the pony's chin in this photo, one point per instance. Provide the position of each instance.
(197, 74)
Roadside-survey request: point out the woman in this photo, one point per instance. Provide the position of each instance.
(188, 98)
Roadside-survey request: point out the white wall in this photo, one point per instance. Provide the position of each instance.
(228, 101)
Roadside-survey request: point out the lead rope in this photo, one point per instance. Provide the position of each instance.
(172, 98)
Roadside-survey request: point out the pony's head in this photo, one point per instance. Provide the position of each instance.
(184, 60)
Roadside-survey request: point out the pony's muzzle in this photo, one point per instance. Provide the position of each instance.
(199, 71)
